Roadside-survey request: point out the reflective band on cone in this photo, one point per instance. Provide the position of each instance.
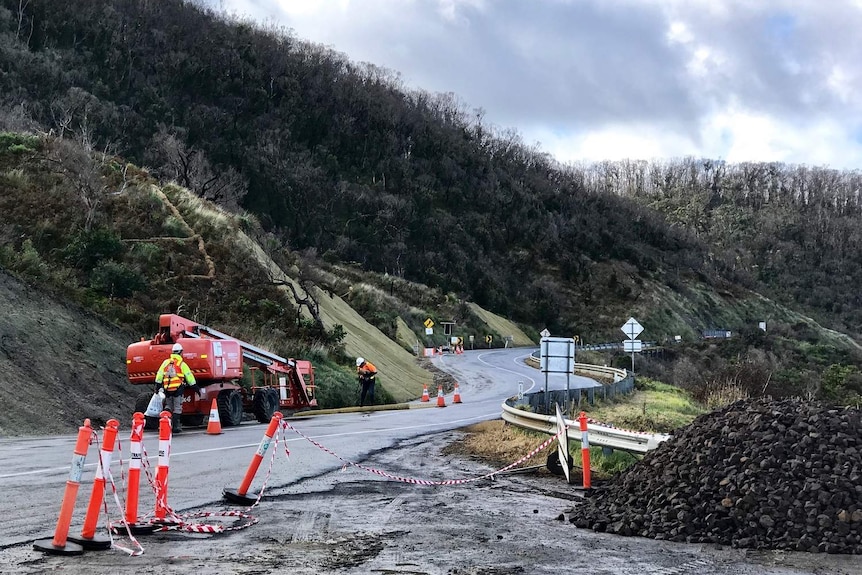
(88, 538)
(164, 464)
(214, 425)
(60, 544)
(133, 483)
(239, 495)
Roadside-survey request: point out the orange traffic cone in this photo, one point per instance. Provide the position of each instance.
(425, 393)
(440, 401)
(457, 397)
(214, 425)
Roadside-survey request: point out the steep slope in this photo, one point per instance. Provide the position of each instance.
(60, 364)
(502, 326)
(400, 374)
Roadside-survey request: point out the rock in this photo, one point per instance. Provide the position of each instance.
(758, 474)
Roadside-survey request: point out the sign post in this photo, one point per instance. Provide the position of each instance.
(632, 329)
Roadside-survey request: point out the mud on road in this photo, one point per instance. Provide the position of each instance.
(353, 521)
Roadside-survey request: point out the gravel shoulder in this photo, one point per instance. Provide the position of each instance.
(354, 521)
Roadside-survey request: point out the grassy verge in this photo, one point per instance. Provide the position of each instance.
(654, 407)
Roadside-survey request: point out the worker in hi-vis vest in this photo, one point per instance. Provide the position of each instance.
(367, 374)
(172, 378)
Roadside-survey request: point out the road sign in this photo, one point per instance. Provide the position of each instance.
(545, 333)
(557, 355)
(489, 338)
(429, 323)
(632, 328)
(632, 345)
(563, 443)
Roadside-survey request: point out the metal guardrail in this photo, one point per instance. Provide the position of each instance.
(588, 368)
(611, 346)
(599, 435)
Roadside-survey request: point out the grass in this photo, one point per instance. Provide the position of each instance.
(500, 444)
(653, 407)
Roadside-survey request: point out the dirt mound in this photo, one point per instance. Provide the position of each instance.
(758, 474)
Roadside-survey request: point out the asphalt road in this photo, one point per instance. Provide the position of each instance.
(34, 471)
(358, 493)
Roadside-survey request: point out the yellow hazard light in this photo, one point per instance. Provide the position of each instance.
(203, 356)
(128, 361)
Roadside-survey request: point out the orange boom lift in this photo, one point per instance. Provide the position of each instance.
(217, 359)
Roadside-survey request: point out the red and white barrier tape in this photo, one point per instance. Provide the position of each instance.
(275, 440)
(109, 477)
(173, 521)
(424, 481)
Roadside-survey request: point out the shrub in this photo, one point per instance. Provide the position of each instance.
(717, 395)
(114, 279)
(88, 248)
(13, 143)
(148, 252)
(15, 178)
(30, 263)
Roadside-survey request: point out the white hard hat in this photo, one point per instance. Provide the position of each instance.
(178, 348)
(360, 361)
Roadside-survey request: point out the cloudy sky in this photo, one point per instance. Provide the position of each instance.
(739, 80)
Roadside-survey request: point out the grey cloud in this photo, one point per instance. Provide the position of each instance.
(577, 65)
(536, 62)
(781, 60)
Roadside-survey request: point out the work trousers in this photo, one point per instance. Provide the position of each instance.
(174, 404)
(366, 392)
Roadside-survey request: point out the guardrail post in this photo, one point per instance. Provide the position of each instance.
(585, 450)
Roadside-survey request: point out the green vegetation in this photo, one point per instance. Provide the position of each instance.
(654, 406)
(401, 203)
(603, 465)
(15, 144)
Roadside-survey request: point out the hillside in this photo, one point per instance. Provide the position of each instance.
(63, 352)
(337, 158)
(63, 363)
(227, 273)
(60, 364)
(152, 150)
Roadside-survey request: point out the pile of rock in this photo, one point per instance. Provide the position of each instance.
(757, 474)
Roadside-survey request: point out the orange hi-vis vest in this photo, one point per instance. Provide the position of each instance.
(173, 372)
(367, 370)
